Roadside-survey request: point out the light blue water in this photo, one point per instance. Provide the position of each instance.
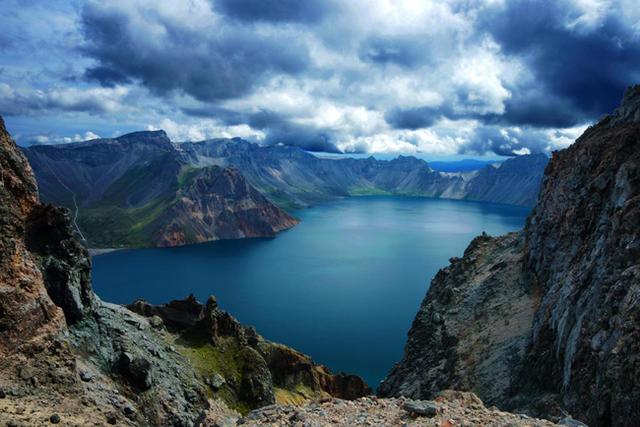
(343, 286)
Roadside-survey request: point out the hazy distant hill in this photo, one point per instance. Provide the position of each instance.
(141, 189)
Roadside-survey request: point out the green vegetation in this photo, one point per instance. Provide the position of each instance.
(228, 358)
(369, 191)
(112, 226)
(298, 396)
(139, 179)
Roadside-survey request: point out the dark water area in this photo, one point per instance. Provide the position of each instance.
(343, 286)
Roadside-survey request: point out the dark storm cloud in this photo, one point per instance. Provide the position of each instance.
(216, 64)
(274, 10)
(583, 71)
(107, 77)
(277, 128)
(412, 118)
(301, 136)
(538, 108)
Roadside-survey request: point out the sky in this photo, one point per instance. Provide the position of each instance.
(456, 77)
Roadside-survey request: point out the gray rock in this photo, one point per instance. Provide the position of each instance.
(135, 370)
(216, 382)
(156, 322)
(421, 407)
(86, 376)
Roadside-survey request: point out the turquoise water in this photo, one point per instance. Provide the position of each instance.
(343, 286)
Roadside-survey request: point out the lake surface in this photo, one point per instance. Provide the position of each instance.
(343, 286)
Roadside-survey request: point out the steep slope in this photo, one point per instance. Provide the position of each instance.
(523, 173)
(66, 357)
(570, 282)
(130, 170)
(583, 245)
(214, 203)
(242, 367)
(473, 328)
(136, 191)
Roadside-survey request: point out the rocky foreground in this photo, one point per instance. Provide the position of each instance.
(448, 409)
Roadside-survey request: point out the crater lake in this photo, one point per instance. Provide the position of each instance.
(343, 286)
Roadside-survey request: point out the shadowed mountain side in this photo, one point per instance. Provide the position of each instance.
(136, 191)
(548, 319)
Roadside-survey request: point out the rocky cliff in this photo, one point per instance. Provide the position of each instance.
(556, 307)
(68, 358)
(239, 364)
(214, 203)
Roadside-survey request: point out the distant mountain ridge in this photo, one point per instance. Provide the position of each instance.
(135, 190)
(292, 177)
(142, 189)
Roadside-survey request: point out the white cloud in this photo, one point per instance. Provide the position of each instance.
(199, 130)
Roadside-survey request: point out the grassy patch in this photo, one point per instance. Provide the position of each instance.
(298, 396)
(112, 226)
(228, 359)
(368, 191)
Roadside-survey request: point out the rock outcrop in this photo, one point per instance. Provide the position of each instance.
(473, 328)
(216, 204)
(570, 282)
(241, 366)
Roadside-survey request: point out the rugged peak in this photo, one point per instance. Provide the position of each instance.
(153, 137)
(629, 109)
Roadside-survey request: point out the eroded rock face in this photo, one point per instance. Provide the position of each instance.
(219, 204)
(473, 328)
(65, 356)
(26, 311)
(570, 282)
(263, 366)
(583, 245)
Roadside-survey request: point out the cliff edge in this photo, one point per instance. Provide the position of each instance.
(556, 307)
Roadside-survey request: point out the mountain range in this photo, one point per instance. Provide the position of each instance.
(542, 322)
(141, 189)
